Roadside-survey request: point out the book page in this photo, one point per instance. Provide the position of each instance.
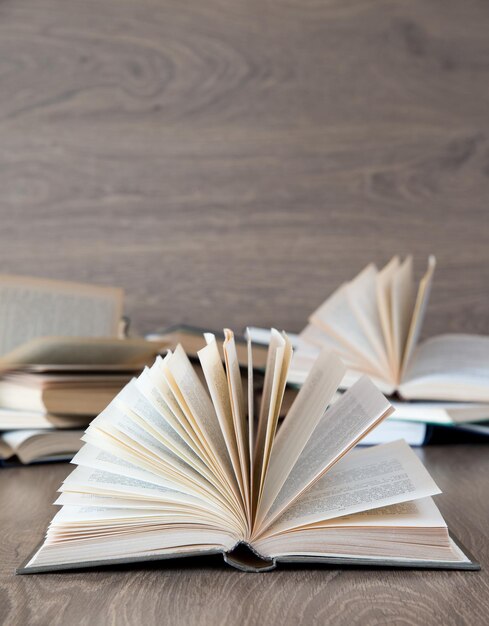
(312, 339)
(402, 304)
(449, 367)
(421, 303)
(93, 457)
(276, 342)
(236, 395)
(364, 479)
(422, 513)
(151, 386)
(123, 428)
(94, 481)
(336, 317)
(280, 352)
(103, 479)
(134, 403)
(215, 376)
(200, 413)
(112, 443)
(343, 424)
(33, 307)
(361, 294)
(251, 405)
(384, 298)
(170, 466)
(301, 420)
(161, 375)
(120, 434)
(282, 365)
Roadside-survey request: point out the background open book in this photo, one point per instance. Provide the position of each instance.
(176, 465)
(374, 322)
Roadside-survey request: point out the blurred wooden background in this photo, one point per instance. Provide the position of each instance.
(230, 162)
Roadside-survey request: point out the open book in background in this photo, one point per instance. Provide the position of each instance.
(38, 446)
(37, 307)
(177, 466)
(374, 321)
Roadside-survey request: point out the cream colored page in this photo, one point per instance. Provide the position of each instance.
(342, 425)
(276, 341)
(402, 305)
(336, 317)
(383, 292)
(15, 438)
(113, 421)
(421, 303)
(116, 444)
(310, 341)
(456, 367)
(282, 364)
(94, 458)
(251, 403)
(127, 457)
(92, 522)
(152, 392)
(361, 294)
(422, 513)
(200, 411)
(113, 441)
(103, 482)
(235, 391)
(145, 419)
(113, 520)
(300, 422)
(314, 339)
(97, 480)
(217, 384)
(363, 479)
(87, 479)
(161, 376)
(32, 307)
(132, 398)
(119, 501)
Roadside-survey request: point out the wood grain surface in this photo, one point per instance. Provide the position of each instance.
(230, 163)
(208, 592)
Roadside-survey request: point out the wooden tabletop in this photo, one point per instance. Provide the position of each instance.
(208, 592)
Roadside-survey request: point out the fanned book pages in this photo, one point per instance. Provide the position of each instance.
(374, 322)
(180, 463)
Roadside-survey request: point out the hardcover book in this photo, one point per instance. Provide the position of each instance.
(179, 465)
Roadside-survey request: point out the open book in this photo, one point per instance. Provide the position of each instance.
(39, 446)
(374, 321)
(175, 466)
(36, 307)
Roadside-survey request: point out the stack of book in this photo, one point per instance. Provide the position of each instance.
(373, 323)
(63, 362)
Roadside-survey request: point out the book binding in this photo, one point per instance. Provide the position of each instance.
(246, 559)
